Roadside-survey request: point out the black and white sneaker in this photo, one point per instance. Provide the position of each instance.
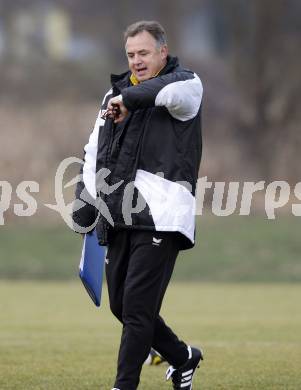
(182, 377)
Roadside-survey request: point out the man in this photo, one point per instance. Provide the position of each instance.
(146, 151)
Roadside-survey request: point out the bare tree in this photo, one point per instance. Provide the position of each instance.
(264, 42)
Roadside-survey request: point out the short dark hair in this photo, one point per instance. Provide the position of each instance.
(152, 27)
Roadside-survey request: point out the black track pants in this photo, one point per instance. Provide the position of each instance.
(138, 269)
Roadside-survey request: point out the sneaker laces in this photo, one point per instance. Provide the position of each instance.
(171, 369)
(169, 372)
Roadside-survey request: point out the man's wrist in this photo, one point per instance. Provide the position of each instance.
(119, 97)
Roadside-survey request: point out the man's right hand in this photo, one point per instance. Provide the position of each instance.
(116, 109)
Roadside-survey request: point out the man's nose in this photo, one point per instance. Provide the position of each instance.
(137, 60)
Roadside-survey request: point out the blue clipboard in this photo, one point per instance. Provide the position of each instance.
(91, 266)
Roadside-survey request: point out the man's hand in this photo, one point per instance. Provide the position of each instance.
(116, 109)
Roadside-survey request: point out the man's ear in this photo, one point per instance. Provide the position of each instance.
(164, 52)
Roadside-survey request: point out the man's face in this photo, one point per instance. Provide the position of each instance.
(145, 58)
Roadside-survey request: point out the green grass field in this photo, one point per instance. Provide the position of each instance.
(236, 294)
(52, 337)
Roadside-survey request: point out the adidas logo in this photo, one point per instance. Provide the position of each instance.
(157, 241)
